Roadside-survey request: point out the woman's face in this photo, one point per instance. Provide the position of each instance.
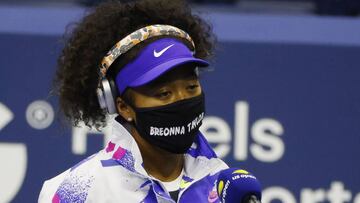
(178, 84)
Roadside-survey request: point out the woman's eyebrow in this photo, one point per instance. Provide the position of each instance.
(157, 83)
(153, 86)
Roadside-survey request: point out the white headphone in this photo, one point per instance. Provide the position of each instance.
(106, 93)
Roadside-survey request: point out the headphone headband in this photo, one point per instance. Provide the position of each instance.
(138, 36)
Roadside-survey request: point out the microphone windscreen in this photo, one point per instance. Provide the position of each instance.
(237, 185)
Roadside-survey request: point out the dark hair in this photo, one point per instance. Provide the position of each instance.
(77, 75)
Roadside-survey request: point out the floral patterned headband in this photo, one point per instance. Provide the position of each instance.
(138, 36)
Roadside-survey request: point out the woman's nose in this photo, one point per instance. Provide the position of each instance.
(181, 94)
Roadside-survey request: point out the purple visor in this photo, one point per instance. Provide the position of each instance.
(154, 60)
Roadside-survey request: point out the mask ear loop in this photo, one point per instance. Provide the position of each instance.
(127, 102)
(129, 123)
(197, 72)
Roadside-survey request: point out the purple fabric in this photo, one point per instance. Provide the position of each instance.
(120, 157)
(201, 191)
(154, 60)
(145, 183)
(203, 148)
(81, 162)
(109, 163)
(74, 188)
(150, 197)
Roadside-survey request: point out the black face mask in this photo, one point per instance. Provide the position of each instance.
(171, 127)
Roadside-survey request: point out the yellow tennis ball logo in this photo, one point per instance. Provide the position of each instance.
(220, 187)
(240, 171)
(184, 184)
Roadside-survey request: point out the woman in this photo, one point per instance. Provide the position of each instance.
(150, 79)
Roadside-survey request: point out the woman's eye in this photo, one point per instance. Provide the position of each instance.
(163, 94)
(193, 87)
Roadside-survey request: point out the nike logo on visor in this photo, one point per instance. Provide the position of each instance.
(158, 54)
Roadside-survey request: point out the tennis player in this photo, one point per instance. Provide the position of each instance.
(140, 60)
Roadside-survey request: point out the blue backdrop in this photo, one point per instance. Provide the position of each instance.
(283, 101)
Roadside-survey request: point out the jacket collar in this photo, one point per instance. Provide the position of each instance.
(123, 150)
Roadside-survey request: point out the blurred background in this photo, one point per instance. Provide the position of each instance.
(283, 100)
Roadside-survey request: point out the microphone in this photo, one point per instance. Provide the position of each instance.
(235, 185)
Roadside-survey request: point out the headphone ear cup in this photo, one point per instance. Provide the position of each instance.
(114, 89)
(106, 96)
(101, 98)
